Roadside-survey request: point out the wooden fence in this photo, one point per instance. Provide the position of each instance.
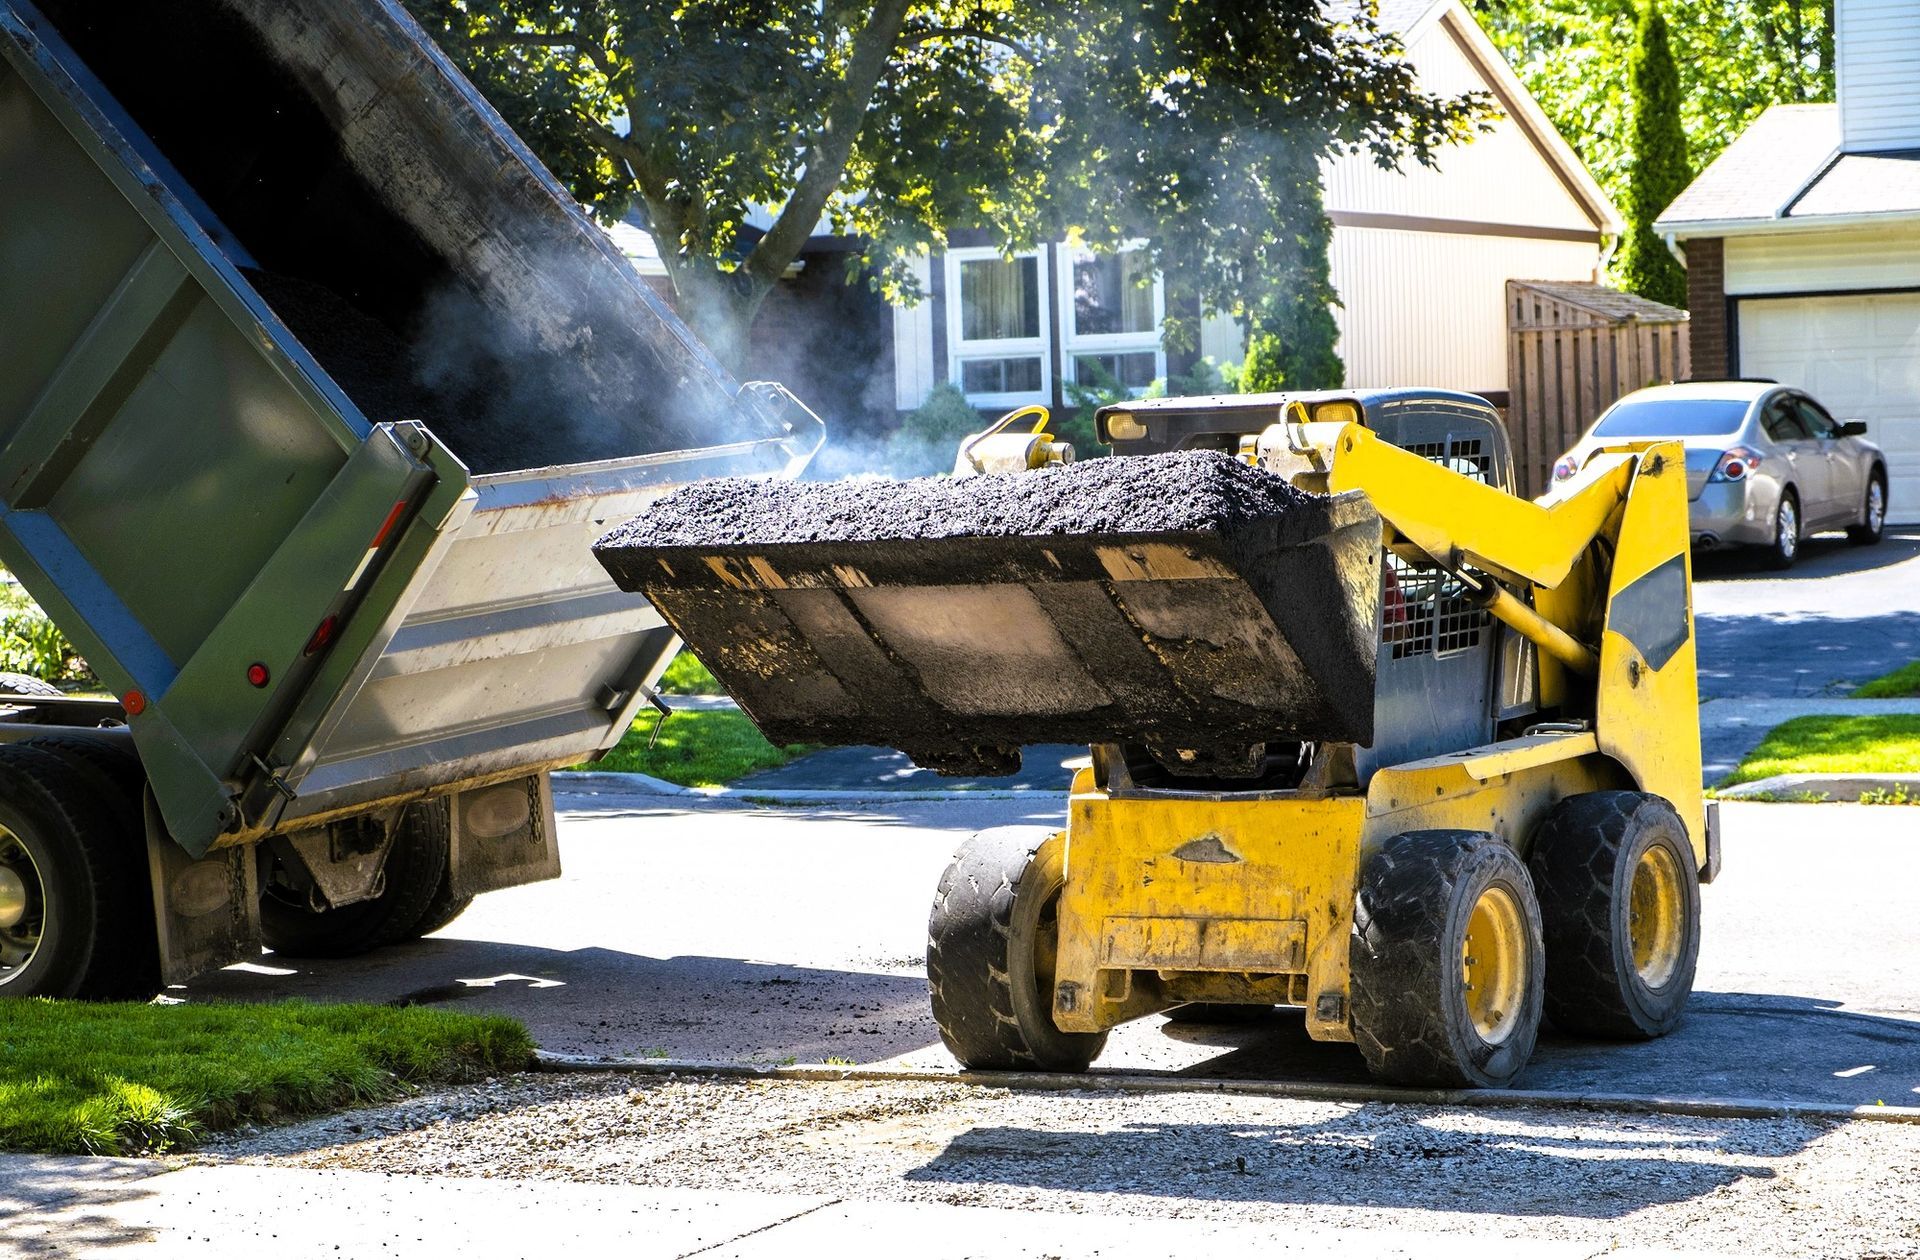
(1571, 351)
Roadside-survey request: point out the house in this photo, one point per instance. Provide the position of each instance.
(1802, 243)
(1420, 258)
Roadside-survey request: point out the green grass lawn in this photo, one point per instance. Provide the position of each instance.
(686, 676)
(1898, 685)
(115, 1078)
(697, 748)
(1822, 744)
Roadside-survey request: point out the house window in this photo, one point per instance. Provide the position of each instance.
(1111, 319)
(997, 342)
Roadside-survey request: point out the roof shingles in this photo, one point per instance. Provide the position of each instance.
(1760, 173)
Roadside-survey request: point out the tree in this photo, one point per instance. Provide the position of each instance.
(1657, 171)
(1735, 58)
(1198, 127)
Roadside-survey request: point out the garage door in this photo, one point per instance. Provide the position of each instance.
(1858, 355)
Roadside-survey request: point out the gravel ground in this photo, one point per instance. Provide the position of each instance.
(1786, 1187)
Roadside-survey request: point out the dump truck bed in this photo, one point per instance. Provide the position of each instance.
(318, 388)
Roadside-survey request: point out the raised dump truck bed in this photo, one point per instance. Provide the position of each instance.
(318, 388)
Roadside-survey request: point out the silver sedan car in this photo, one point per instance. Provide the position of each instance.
(1766, 464)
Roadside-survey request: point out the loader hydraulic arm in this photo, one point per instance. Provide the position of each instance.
(1463, 524)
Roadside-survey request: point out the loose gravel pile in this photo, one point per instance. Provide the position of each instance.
(1778, 1186)
(1188, 490)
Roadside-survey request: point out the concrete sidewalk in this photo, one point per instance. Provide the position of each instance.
(92, 1207)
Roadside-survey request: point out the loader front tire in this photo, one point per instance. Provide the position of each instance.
(1620, 907)
(991, 944)
(1446, 961)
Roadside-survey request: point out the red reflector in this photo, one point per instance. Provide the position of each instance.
(257, 674)
(393, 518)
(322, 635)
(134, 702)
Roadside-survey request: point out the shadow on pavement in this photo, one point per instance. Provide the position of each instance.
(1443, 1162)
(1786, 655)
(1731, 1046)
(1824, 556)
(604, 1002)
(33, 1184)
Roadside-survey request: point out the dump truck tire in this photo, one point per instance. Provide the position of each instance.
(115, 780)
(27, 685)
(1446, 960)
(441, 911)
(415, 864)
(1620, 908)
(76, 908)
(990, 949)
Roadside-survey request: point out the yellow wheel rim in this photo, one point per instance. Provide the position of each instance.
(1493, 965)
(1655, 919)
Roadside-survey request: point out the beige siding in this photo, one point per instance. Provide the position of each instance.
(913, 345)
(1498, 177)
(1879, 54)
(1875, 257)
(1429, 308)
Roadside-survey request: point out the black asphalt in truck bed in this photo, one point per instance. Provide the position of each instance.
(1188, 490)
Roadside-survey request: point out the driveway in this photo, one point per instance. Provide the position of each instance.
(1840, 617)
(714, 930)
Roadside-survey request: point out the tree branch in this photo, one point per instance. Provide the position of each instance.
(967, 32)
(587, 48)
(828, 153)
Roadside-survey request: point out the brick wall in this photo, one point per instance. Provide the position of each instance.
(1707, 309)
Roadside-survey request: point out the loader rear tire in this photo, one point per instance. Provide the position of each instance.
(1446, 961)
(991, 944)
(415, 863)
(1620, 908)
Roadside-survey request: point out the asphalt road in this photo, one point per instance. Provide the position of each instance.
(721, 931)
(1842, 616)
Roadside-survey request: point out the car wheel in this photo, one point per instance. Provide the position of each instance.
(1785, 548)
(1873, 513)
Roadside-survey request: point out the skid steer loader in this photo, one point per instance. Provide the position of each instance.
(1420, 758)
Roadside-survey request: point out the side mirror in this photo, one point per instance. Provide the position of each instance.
(1853, 428)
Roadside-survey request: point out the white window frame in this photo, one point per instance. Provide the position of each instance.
(1073, 344)
(961, 350)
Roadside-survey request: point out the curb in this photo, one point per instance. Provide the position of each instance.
(1833, 787)
(628, 783)
(1136, 1081)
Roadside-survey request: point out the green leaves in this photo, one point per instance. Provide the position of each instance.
(1657, 170)
(1199, 126)
(1734, 57)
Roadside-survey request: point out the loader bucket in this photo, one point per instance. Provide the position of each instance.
(958, 632)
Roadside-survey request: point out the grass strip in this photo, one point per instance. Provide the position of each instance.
(1832, 744)
(117, 1078)
(697, 748)
(686, 676)
(1901, 684)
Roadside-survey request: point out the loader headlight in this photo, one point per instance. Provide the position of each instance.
(1122, 427)
(1342, 412)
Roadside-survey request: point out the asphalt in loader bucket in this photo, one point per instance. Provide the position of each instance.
(1187, 602)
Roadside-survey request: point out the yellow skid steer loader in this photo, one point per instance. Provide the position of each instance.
(1403, 750)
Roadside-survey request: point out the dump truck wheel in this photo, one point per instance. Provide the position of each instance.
(1620, 907)
(115, 780)
(442, 910)
(415, 864)
(27, 685)
(1446, 959)
(73, 907)
(991, 944)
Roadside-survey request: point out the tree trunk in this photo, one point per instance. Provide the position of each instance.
(719, 307)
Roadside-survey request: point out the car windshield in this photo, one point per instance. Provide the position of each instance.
(1672, 417)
